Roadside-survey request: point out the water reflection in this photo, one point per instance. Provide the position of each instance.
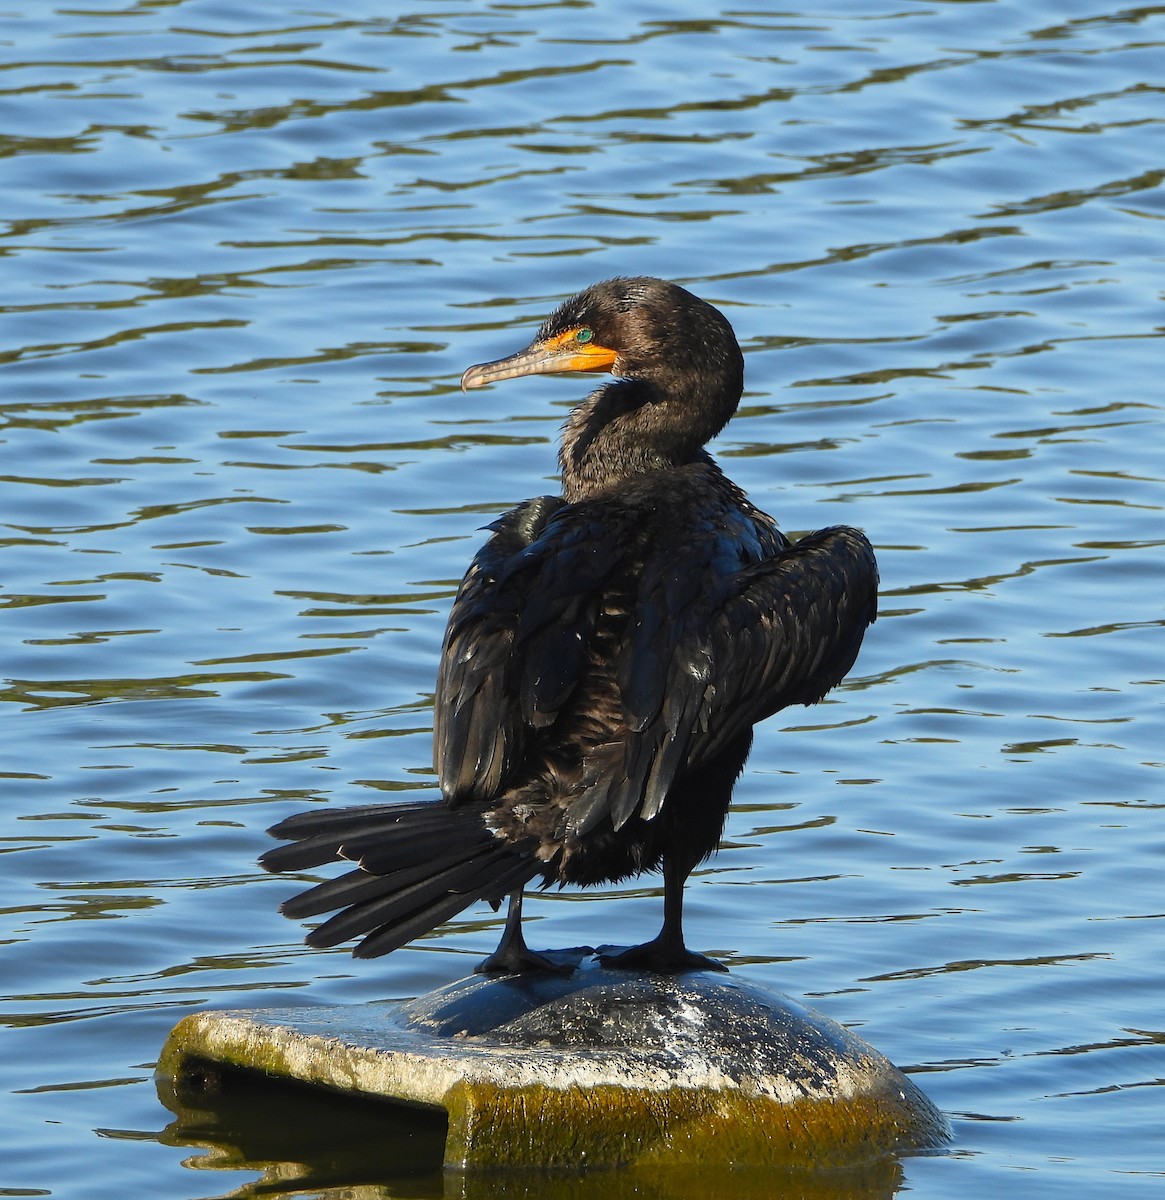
(305, 1142)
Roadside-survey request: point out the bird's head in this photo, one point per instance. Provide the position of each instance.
(678, 364)
(638, 328)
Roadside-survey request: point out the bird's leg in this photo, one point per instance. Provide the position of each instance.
(513, 956)
(666, 952)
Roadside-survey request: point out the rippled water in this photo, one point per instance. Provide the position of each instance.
(247, 252)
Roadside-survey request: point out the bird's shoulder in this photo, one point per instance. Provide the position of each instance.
(648, 522)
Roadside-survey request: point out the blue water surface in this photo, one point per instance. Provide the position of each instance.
(248, 250)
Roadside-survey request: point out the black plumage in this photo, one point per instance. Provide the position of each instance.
(608, 653)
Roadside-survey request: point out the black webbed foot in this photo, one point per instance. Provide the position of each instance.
(514, 957)
(658, 956)
(519, 959)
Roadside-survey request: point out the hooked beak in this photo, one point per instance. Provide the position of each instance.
(560, 353)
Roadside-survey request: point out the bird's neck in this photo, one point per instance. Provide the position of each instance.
(629, 427)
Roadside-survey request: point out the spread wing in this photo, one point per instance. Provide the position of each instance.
(574, 624)
(516, 644)
(741, 646)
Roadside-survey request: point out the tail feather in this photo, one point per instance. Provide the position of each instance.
(354, 887)
(400, 848)
(392, 937)
(419, 865)
(317, 837)
(351, 820)
(456, 879)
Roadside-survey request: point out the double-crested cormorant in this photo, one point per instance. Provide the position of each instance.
(607, 656)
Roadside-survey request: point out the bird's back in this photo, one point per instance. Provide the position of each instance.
(598, 651)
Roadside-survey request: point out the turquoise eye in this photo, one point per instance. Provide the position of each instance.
(583, 335)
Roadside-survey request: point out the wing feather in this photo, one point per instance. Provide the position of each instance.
(517, 642)
(588, 627)
(748, 642)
